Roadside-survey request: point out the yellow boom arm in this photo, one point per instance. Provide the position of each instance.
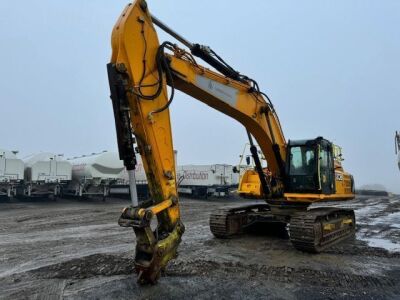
(139, 72)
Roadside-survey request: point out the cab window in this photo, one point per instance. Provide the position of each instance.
(302, 160)
(324, 159)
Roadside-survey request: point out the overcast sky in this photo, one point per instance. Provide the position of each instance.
(331, 68)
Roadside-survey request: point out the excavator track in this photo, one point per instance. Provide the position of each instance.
(317, 229)
(229, 221)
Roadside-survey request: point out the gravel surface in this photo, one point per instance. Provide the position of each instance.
(72, 249)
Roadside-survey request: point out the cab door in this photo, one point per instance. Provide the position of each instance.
(326, 169)
(302, 170)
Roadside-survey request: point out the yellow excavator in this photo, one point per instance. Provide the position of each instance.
(300, 172)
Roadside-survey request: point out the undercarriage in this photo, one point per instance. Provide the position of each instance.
(310, 230)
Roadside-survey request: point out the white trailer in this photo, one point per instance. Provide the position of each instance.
(102, 174)
(11, 173)
(45, 174)
(92, 174)
(121, 187)
(207, 180)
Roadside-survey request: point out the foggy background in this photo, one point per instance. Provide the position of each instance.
(331, 69)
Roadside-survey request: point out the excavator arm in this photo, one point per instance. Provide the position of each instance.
(139, 72)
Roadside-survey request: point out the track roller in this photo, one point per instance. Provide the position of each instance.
(317, 229)
(230, 221)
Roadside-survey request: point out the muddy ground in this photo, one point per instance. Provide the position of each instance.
(71, 249)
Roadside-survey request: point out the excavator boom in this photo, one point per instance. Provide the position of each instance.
(139, 72)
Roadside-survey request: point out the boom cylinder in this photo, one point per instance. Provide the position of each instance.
(256, 158)
(201, 51)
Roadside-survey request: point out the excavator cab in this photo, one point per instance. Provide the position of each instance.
(310, 167)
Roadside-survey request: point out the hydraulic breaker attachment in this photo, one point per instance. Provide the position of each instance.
(154, 249)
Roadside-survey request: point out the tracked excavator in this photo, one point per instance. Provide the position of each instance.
(301, 172)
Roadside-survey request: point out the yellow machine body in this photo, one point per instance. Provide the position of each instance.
(250, 185)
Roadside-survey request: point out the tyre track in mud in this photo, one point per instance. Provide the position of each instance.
(99, 263)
